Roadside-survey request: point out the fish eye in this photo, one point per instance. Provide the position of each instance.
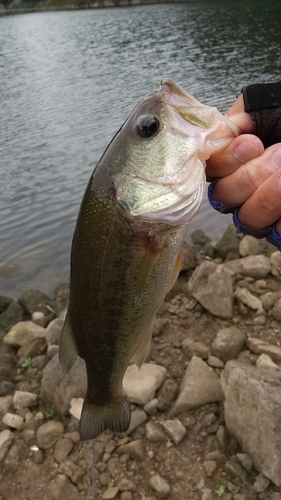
(147, 126)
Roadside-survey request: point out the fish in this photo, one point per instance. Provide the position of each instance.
(127, 244)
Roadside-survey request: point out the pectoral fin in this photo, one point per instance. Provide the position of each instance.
(177, 268)
(152, 254)
(67, 348)
(142, 350)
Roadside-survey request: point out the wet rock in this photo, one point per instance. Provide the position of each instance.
(216, 295)
(141, 385)
(160, 486)
(34, 300)
(58, 387)
(60, 487)
(12, 420)
(228, 343)
(6, 439)
(252, 414)
(23, 333)
(155, 433)
(24, 399)
(259, 346)
(63, 449)
(191, 349)
(167, 394)
(136, 449)
(49, 434)
(13, 314)
(200, 385)
(175, 430)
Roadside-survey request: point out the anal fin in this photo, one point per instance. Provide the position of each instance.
(67, 348)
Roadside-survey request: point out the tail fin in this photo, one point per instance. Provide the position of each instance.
(96, 418)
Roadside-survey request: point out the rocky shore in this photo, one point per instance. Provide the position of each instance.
(206, 406)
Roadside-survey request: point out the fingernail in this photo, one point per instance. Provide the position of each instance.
(246, 151)
(276, 158)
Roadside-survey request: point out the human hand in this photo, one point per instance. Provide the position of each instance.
(248, 175)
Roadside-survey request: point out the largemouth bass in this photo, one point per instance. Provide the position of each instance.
(126, 248)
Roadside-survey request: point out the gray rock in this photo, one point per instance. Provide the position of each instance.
(260, 484)
(6, 403)
(53, 331)
(265, 361)
(58, 387)
(275, 263)
(229, 243)
(160, 486)
(52, 350)
(63, 449)
(276, 310)
(228, 343)
(200, 276)
(151, 407)
(36, 347)
(268, 299)
(155, 433)
(136, 449)
(216, 295)
(60, 487)
(256, 266)
(49, 434)
(23, 399)
(23, 333)
(200, 385)
(188, 259)
(252, 414)
(138, 417)
(175, 430)
(167, 394)
(252, 246)
(12, 420)
(6, 439)
(13, 314)
(215, 362)
(198, 237)
(259, 346)
(245, 461)
(71, 470)
(141, 385)
(195, 349)
(249, 299)
(110, 493)
(34, 300)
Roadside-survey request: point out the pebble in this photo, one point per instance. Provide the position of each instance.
(76, 407)
(6, 439)
(71, 470)
(167, 394)
(215, 362)
(245, 461)
(136, 449)
(175, 429)
(49, 434)
(160, 486)
(151, 407)
(260, 484)
(155, 433)
(138, 417)
(61, 487)
(141, 385)
(210, 467)
(259, 346)
(23, 399)
(265, 361)
(110, 493)
(228, 343)
(63, 449)
(12, 420)
(195, 349)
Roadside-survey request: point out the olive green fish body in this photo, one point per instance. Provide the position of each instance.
(126, 246)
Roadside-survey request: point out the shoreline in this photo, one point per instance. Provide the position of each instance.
(57, 5)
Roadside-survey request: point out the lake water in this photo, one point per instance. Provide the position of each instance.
(67, 82)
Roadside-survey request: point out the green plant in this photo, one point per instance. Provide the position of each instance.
(50, 413)
(28, 363)
(220, 491)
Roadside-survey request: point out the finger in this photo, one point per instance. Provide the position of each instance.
(263, 208)
(237, 114)
(241, 150)
(236, 188)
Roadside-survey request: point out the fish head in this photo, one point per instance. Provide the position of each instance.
(160, 154)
